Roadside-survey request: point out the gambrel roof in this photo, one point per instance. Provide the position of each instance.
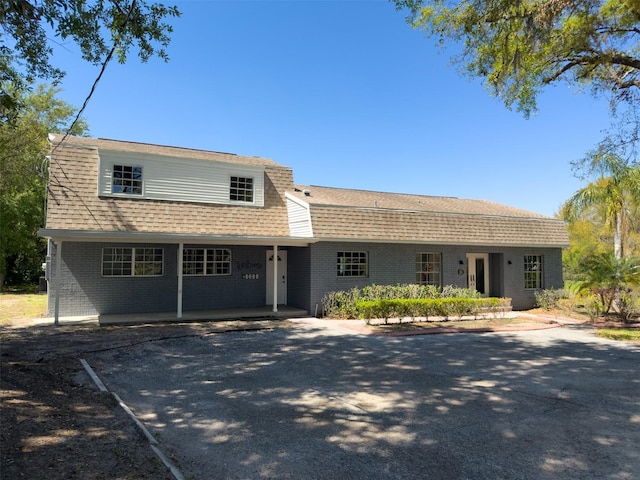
(74, 208)
(287, 215)
(343, 214)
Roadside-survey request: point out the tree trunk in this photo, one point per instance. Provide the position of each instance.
(617, 237)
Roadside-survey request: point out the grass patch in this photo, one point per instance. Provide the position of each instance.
(15, 306)
(622, 334)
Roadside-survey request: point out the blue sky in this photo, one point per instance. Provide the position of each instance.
(347, 95)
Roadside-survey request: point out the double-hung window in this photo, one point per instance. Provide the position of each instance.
(241, 189)
(352, 264)
(533, 272)
(129, 262)
(206, 261)
(126, 179)
(428, 269)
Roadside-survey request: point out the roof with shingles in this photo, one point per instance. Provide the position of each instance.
(74, 205)
(338, 213)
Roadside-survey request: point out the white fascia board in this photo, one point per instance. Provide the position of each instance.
(420, 242)
(143, 237)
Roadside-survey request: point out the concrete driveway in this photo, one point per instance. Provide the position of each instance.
(314, 402)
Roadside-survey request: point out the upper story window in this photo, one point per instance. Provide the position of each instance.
(428, 269)
(241, 189)
(533, 272)
(126, 179)
(127, 262)
(352, 264)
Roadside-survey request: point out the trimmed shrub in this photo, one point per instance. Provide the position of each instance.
(426, 307)
(342, 304)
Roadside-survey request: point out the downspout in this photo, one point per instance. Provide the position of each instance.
(275, 278)
(56, 317)
(180, 258)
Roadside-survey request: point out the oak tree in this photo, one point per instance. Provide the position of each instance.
(101, 29)
(519, 47)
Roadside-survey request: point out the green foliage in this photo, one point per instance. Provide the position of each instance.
(342, 304)
(622, 334)
(425, 307)
(23, 150)
(550, 298)
(99, 28)
(520, 47)
(612, 280)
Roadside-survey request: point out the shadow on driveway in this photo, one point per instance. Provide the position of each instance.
(308, 402)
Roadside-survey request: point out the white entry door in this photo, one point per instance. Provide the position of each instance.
(282, 277)
(478, 272)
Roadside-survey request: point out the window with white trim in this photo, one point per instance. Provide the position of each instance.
(352, 264)
(206, 261)
(129, 262)
(241, 189)
(428, 269)
(126, 179)
(533, 272)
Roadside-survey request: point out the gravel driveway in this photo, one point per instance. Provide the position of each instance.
(323, 403)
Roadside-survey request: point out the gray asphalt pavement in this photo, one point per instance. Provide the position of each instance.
(323, 403)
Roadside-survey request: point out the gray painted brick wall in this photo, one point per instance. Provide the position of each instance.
(84, 291)
(312, 272)
(393, 264)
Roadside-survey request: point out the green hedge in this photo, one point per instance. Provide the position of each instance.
(428, 307)
(342, 304)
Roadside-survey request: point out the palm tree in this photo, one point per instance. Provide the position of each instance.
(610, 278)
(616, 191)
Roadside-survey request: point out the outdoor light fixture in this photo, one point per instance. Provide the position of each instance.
(509, 262)
(461, 262)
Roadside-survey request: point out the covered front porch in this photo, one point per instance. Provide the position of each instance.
(265, 312)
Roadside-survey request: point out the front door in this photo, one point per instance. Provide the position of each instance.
(282, 277)
(478, 272)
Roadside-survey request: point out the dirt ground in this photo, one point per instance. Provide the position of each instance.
(57, 425)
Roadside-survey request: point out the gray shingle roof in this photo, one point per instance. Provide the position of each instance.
(379, 216)
(74, 205)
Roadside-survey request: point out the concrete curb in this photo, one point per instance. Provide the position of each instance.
(153, 443)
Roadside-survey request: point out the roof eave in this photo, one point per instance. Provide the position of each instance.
(443, 242)
(63, 235)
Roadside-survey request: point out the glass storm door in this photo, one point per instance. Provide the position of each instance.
(478, 272)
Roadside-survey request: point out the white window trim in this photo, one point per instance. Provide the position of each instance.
(253, 190)
(540, 273)
(420, 272)
(127, 194)
(206, 252)
(366, 264)
(133, 263)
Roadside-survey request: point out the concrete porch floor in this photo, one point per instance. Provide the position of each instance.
(284, 311)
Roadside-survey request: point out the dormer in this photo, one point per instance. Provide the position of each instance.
(156, 177)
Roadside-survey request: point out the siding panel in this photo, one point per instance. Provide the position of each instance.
(182, 180)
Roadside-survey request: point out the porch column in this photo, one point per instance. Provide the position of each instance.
(275, 278)
(180, 256)
(56, 315)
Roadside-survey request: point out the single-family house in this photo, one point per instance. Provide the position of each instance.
(140, 228)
